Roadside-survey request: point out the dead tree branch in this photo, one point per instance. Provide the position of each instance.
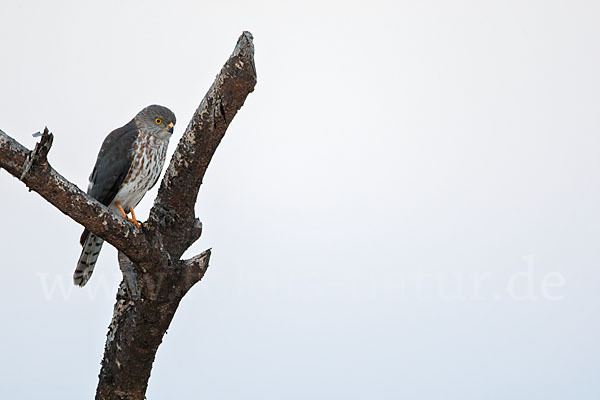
(178, 191)
(155, 279)
(33, 169)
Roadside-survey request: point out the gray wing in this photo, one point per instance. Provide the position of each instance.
(113, 163)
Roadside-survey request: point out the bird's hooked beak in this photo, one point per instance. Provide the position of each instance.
(170, 128)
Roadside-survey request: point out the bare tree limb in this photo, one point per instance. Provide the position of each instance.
(33, 169)
(196, 267)
(179, 188)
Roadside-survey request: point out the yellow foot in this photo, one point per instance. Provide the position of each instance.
(134, 219)
(124, 214)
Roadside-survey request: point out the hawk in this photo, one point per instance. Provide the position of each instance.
(128, 165)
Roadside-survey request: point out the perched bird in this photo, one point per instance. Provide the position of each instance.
(128, 165)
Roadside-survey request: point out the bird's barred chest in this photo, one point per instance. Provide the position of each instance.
(149, 153)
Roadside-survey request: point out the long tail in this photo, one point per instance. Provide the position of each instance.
(87, 259)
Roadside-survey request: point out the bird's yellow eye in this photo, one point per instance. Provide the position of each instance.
(158, 121)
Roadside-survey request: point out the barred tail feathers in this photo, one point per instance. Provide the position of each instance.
(87, 259)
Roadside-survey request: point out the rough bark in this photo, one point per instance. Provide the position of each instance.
(174, 204)
(155, 279)
(33, 169)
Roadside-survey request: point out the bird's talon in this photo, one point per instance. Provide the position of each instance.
(134, 219)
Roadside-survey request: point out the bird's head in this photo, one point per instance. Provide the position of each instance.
(156, 120)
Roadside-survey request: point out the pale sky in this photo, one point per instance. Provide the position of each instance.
(406, 207)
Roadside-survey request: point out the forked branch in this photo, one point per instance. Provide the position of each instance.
(155, 279)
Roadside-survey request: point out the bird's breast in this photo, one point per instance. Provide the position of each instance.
(149, 155)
